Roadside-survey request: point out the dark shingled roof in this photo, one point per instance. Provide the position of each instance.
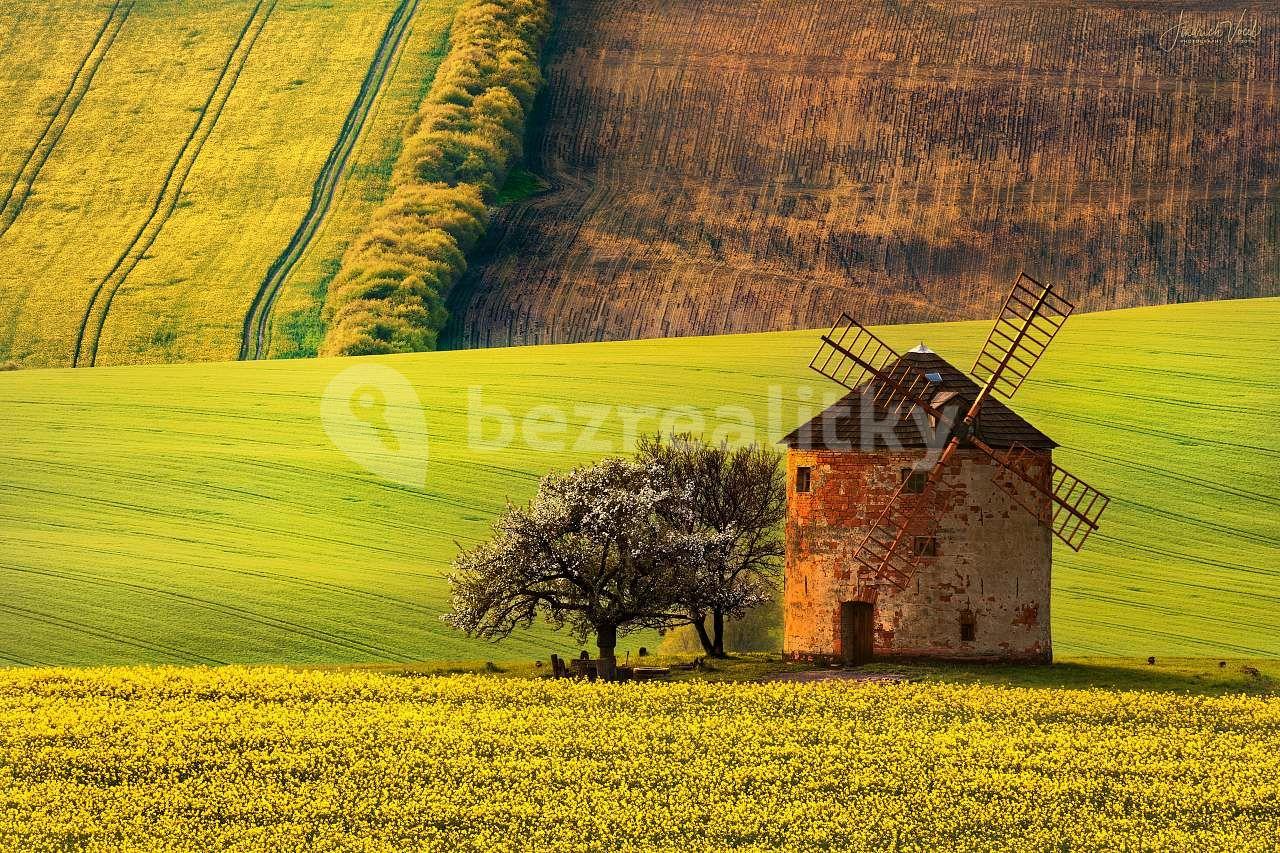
(840, 427)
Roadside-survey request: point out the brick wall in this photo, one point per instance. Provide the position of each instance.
(993, 562)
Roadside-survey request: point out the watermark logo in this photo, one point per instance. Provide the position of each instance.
(1240, 32)
(599, 428)
(372, 414)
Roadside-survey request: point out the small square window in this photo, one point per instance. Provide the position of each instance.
(968, 629)
(914, 480)
(925, 546)
(803, 476)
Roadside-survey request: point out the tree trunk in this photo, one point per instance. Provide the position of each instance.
(717, 633)
(700, 625)
(606, 642)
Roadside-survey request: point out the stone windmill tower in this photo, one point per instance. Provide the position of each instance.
(921, 510)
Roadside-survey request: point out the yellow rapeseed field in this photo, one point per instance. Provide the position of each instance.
(238, 758)
(186, 160)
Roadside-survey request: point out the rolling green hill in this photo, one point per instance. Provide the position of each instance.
(159, 157)
(201, 513)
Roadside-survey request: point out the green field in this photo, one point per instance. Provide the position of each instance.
(199, 513)
(157, 156)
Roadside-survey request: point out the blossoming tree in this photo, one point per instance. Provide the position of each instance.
(603, 549)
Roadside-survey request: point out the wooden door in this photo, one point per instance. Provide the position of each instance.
(857, 622)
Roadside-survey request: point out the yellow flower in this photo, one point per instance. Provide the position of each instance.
(252, 759)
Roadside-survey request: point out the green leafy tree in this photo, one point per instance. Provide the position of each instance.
(735, 501)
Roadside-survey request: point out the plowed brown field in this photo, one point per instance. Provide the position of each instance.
(722, 166)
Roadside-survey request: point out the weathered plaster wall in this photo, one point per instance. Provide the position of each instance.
(993, 561)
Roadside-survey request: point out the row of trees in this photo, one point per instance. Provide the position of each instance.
(389, 292)
(686, 533)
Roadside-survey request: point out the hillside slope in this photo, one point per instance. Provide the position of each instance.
(160, 155)
(727, 166)
(201, 513)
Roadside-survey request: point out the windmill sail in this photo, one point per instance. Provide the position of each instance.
(1063, 502)
(854, 357)
(888, 552)
(1030, 319)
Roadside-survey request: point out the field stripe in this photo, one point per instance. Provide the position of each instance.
(180, 517)
(20, 661)
(103, 634)
(310, 632)
(1216, 646)
(403, 526)
(1132, 549)
(97, 551)
(95, 314)
(1204, 524)
(253, 342)
(24, 180)
(1177, 476)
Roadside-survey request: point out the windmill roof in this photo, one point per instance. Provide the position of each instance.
(841, 427)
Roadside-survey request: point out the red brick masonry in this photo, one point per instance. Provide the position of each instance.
(993, 566)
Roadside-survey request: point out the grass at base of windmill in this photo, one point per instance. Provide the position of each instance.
(1197, 676)
(200, 513)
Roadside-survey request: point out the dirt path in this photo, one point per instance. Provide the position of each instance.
(257, 321)
(20, 188)
(95, 314)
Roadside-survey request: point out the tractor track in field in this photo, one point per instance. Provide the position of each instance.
(309, 632)
(1151, 550)
(253, 341)
(1177, 476)
(1224, 530)
(1216, 645)
(296, 580)
(104, 634)
(232, 526)
(95, 313)
(15, 197)
(13, 659)
(1112, 574)
(151, 482)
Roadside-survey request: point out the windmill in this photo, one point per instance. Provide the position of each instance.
(855, 358)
